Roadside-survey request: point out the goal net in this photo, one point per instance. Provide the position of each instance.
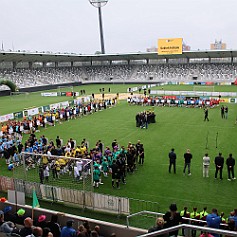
(204, 88)
(58, 171)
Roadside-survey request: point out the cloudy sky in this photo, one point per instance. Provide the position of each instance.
(129, 25)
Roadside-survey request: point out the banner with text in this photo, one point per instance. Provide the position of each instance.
(170, 46)
(6, 117)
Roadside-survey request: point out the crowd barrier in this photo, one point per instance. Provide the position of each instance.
(80, 198)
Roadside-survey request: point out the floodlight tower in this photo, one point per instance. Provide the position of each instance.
(99, 4)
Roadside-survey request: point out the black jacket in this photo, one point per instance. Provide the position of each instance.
(219, 160)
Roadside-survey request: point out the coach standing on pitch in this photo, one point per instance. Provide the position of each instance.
(172, 157)
(219, 162)
(230, 162)
(187, 161)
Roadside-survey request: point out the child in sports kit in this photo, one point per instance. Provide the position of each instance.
(16, 159)
(105, 167)
(96, 175)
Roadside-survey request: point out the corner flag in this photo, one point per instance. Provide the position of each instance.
(35, 200)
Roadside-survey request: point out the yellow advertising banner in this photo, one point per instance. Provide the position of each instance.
(170, 46)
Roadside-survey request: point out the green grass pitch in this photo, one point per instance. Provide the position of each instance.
(178, 128)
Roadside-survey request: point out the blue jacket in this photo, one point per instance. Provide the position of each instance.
(213, 221)
(68, 232)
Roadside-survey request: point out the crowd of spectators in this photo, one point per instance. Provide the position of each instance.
(108, 73)
(20, 224)
(24, 77)
(186, 72)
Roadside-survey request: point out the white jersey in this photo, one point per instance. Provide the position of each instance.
(38, 122)
(10, 130)
(206, 160)
(46, 171)
(79, 165)
(76, 172)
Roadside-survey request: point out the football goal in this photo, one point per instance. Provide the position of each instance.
(59, 171)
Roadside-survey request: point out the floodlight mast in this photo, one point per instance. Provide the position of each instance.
(98, 4)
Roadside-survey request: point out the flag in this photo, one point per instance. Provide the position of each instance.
(35, 200)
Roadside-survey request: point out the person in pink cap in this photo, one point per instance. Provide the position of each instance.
(41, 222)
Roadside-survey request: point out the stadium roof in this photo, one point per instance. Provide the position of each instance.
(50, 57)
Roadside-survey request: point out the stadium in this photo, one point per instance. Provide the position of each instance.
(138, 70)
(101, 142)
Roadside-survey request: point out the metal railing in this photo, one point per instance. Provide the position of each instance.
(189, 227)
(158, 214)
(138, 205)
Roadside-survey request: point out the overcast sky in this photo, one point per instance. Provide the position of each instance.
(129, 25)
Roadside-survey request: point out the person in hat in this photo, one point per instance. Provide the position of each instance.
(68, 230)
(172, 218)
(3, 199)
(8, 215)
(20, 216)
(41, 222)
